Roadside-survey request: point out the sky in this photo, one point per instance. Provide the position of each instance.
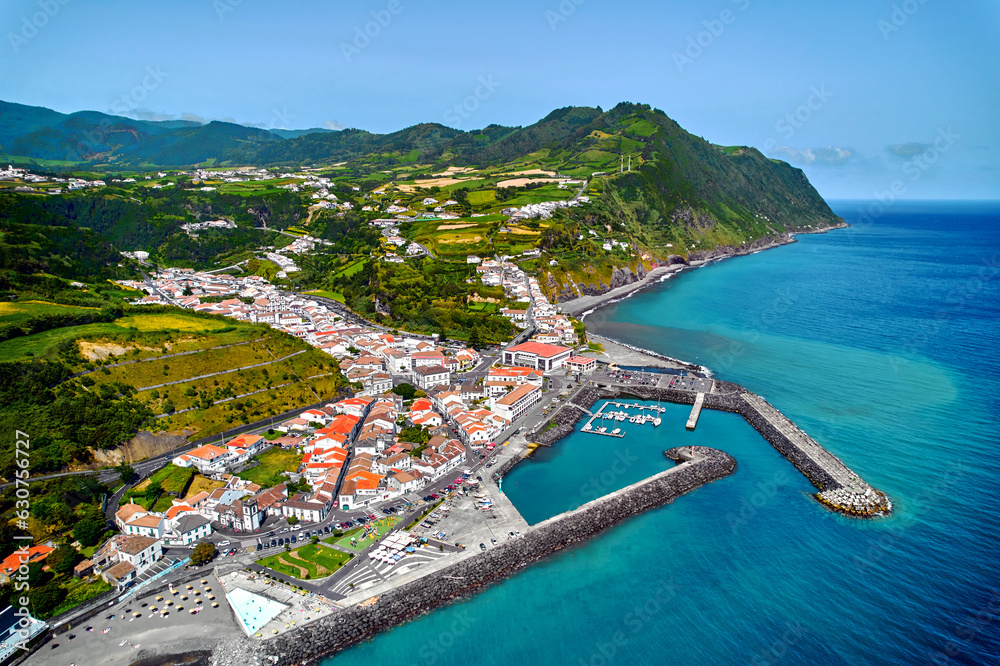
(870, 98)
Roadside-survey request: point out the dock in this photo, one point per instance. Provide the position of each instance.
(620, 415)
(699, 402)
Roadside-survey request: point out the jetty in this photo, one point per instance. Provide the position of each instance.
(839, 487)
(699, 402)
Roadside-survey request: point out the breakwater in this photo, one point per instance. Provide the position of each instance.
(840, 488)
(697, 466)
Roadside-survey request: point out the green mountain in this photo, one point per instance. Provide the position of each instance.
(663, 189)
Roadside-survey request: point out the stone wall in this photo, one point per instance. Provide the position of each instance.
(360, 622)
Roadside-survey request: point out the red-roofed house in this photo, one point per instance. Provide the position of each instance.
(245, 446)
(581, 364)
(538, 355)
(22, 556)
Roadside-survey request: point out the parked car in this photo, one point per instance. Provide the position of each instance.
(483, 546)
(294, 539)
(224, 543)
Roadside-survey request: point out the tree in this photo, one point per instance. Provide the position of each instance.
(126, 472)
(475, 340)
(88, 532)
(292, 520)
(63, 559)
(46, 599)
(405, 390)
(203, 553)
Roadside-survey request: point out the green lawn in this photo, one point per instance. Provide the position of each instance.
(173, 479)
(43, 345)
(273, 462)
(11, 313)
(383, 525)
(352, 269)
(307, 562)
(335, 295)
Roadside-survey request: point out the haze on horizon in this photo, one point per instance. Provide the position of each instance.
(859, 95)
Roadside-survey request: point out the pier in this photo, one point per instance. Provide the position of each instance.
(642, 418)
(699, 402)
(839, 487)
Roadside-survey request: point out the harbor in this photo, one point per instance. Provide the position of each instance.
(839, 487)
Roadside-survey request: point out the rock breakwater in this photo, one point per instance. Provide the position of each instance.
(697, 466)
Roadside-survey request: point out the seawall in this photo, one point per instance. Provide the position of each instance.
(840, 488)
(697, 466)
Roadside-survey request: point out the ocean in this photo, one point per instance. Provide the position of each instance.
(880, 341)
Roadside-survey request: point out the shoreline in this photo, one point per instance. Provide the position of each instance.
(585, 305)
(582, 306)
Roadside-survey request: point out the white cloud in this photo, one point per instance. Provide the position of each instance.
(332, 125)
(827, 155)
(907, 149)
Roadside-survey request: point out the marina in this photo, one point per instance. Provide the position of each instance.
(615, 413)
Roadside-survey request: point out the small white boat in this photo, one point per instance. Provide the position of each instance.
(657, 421)
(616, 431)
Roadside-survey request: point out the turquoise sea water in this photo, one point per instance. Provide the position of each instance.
(881, 342)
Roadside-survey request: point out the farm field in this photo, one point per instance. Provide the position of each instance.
(307, 562)
(12, 313)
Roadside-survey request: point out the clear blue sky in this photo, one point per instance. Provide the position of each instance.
(885, 79)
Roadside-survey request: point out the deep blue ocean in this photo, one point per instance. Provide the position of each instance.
(881, 341)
